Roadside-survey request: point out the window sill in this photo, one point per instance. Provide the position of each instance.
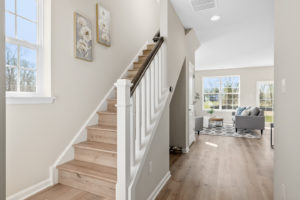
(29, 100)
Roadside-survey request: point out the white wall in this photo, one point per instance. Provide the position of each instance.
(2, 103)
(176, 46)
(287, 61)
(192, 45)
(246, 44)
(248, 86)
(37, 134)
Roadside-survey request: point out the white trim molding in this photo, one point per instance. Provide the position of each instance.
(186, 150)
(30, 191)
(160, 186)
(29, 100)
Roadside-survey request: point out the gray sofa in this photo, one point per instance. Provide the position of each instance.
(250, 122)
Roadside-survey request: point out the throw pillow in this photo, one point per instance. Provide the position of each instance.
(239, 110)
(245, 113)
(254, 111)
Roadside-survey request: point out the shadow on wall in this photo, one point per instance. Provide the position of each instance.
(178, 111)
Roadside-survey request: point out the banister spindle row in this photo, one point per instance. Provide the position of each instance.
(136, 118)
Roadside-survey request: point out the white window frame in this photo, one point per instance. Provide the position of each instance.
(220, 93)
(258, 84)
(40, 96)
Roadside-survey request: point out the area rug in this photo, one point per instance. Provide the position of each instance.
(229, 131)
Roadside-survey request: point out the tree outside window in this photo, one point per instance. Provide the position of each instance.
(221, 93)
(21, 45)
(266, 99)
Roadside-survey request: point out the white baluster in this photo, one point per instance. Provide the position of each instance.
(148, 103)
(123, 139)
(164, 66)
(156, 83)
(132, 134)
(159, 73)
(143, 109)
(138, 119)
(152, 80)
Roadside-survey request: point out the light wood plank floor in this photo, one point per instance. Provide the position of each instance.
(235, 169)
(63, 192)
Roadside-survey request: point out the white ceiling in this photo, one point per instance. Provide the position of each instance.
(243, 37)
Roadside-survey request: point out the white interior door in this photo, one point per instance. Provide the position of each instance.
(191, 103)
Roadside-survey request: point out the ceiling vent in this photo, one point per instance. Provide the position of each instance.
(199, 5)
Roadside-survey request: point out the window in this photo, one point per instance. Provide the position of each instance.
(221, 93)
(23, 43)
(266, 98)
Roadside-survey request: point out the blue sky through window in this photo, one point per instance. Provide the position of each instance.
(21, 46)
(27, 9)
(10, 5)
(27, 30)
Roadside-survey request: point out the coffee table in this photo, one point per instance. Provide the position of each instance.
(218, 121)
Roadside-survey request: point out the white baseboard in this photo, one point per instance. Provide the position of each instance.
(30, 191)
(186, 150)
(160, 186)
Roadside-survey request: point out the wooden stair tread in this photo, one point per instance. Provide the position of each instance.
(97, 146)
(90, 169)
(103, 127)
(133, 70)
(106, 113)
(151, 46)
(111, 100)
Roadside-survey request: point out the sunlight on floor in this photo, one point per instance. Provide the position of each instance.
(212, 144)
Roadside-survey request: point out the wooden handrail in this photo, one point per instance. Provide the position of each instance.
(140, 74)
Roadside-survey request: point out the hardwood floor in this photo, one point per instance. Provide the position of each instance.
(63, 192)
(222, 168)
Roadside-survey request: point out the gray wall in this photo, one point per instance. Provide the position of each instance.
(287, 99)
(248, 86)
(178, 108)
(2, 103)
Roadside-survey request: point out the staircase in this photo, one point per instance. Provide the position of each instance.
(94, 168)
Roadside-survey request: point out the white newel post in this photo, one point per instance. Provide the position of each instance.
(123, 138)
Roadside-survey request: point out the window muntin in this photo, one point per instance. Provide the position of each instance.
(22, 47)
(266, 98)
(221, 93)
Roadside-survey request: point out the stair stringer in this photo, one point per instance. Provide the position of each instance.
(81, 135)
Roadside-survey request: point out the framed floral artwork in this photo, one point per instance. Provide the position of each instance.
(83, 38)
(103, 25)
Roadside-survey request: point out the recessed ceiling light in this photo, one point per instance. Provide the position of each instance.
(215, 18)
